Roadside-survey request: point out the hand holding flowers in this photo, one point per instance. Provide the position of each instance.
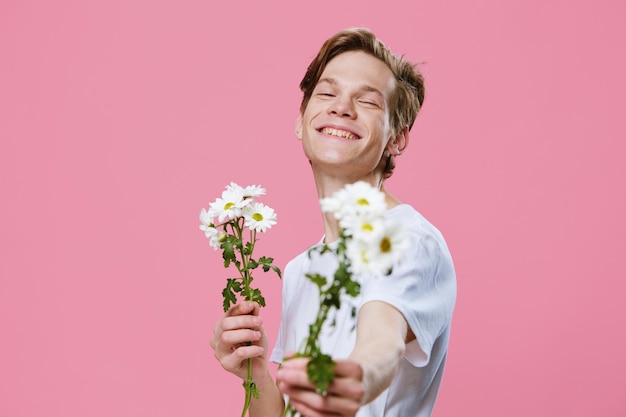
(369, 244)
(232, 224)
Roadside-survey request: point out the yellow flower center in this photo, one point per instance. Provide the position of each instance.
(257, 216)
(385, 245)
(364, 258)
(363, 202)
(229, 205)
(367, 227)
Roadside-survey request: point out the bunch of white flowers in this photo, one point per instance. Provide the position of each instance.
(236, 202)
(369, 244)
(373, 243)
(239, 218)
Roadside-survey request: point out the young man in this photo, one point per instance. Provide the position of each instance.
(360, 101)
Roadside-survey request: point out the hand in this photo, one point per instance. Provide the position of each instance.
(344, 394)
(239, 336)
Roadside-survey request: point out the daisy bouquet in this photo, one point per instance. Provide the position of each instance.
(232, 224)
(368, 244)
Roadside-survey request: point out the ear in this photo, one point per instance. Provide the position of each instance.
(398, 144)
(299, 127)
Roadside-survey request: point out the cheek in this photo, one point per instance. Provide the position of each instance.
(309, 117)
(387, 124)
(384, 133)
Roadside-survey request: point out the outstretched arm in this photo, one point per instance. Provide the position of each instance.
(381, 341)
(380, 345)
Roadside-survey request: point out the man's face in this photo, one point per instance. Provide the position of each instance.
(345, 126)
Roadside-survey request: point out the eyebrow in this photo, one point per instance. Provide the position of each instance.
(363, 87)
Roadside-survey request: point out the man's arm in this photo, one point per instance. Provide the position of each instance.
(270, 401)
(380, 345)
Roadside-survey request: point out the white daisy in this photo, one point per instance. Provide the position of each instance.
(205, 219)
(235, 187)
(380, 251)
(214, 235)
(230, 204)
(363, 227)
(363, 198)
(259, 217)
(252, 191)
(331, 204)
(355, 199)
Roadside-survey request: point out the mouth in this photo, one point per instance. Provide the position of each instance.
(339, 133)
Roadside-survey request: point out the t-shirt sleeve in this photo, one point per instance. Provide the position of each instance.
(278, 353)
(423, 289)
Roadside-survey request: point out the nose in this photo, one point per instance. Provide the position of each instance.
(342, 106)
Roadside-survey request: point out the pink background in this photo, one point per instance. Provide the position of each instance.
(119, 120)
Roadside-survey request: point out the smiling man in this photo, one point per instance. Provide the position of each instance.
(359, 103)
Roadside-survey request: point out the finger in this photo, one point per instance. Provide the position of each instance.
(236, 359)
(244, 307)
(305, 410)
(240, 322)
(295, 363)
(293, 373)
(348, 376)
(348, 368)
(311, 404)
(343, 394)
(239, 336)
(347, 388)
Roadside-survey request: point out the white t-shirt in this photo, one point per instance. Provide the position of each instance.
(422, 288)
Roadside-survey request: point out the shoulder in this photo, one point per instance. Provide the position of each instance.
(428, 247)
(415, 223)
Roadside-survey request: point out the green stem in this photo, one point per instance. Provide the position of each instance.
(247, 281)
(247, 385)
(288, 409)
(311, 344)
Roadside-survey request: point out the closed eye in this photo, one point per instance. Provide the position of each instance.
(370, 103)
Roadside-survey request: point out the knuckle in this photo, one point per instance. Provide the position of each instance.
(224, 339)
(240, 354)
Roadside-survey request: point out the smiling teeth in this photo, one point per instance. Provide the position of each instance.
(339, 133)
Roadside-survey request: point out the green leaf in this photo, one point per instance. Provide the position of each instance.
(266, 260)
(267, 265)
(248, 249)
(252, 264)
(233, 287)
(325, 248)
(317, 279)
(353, 288)
(320, 370)
(255, 295)
(275, 269)
(254, 390)
(251, 387)
(332, 300)
(228, 246)
(342, 273)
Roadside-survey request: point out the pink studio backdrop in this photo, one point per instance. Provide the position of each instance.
(119, 120)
